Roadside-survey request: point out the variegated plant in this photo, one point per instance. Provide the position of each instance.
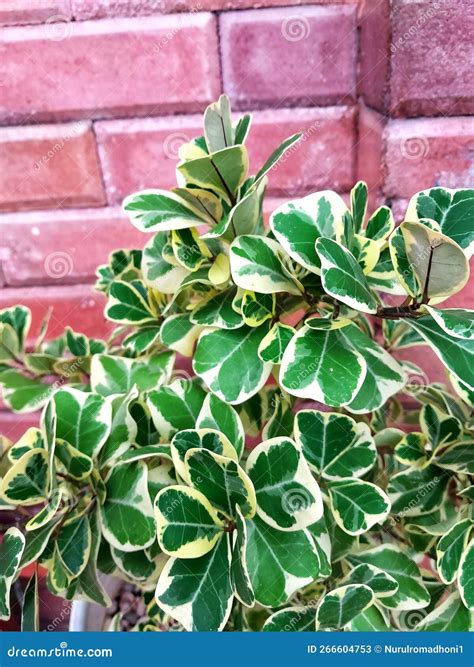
(352, 511)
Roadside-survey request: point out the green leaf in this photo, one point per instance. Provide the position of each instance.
(359, 196)
(410, 450)
(318, 364)
(175, 407)
(458, 457)
(278, 562)
(205, 438)
(450, 548)
(127, 305)
(127, 513)
(412, 592)
(83, 419)
(298, 223)
(457, 355)
(179, 333)
(242, 128)
(450, 616)
(198, 592)
(19, 318)
(380, 224)
(381, 582)
(123, 429)
(343, 278)
(89, 585)
(240, 578)
(257, 308)
(222, 171)
(9, 346)
(256, 265)
(417, 491)
(45, 515)
(370, 620)
(288, 497)
(160, 210)
(438, 427)
(291, 619)
(281, 420)
(358, 505)
(11, 550)
(335, 445)
(30, 609)
(216, 414)
(466, 576)
(74, 544)
(339, 607)
(456, 322)
(222, 481)
(218, 129)
(117, 375)
(157, 271)
(322, 542)
(188, 525)
(36, 542)
(437, 266)
(32, 438)
(274, 344)
(21, 393)
(451, 209)
(229, 364)
(26, 482)
(78, 465)
(188, 250)
(216, 311)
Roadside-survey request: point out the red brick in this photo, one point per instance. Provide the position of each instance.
(111, 67)
(424, 152)
(59, 247)
(46, 166)
(374, 52)
(20, 12)
(137, 154)
(432, 58)
(77, 306)
(288, 56)
(95, 9)
(370, 151)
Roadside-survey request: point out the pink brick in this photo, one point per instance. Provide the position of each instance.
(432, 58)
(374, 53)
(138, 154)
(47, 166)
(370, 151)
(58, 247)
(12, 426)
(287, 56)
(35, 11)
(77, 306)
(95, 9)
(111, 67)
(429, 151)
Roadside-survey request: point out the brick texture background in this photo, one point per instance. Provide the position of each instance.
(96, 96)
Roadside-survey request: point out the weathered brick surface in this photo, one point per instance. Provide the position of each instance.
(12, 426)
(77, 306)
(143, 153)
(431, 67)
(282, 56)
(95, 9)
(370, 147)
(59, 247)
(374, 52)
(48, 166)
(13, 12)
(111, 67)
(431, 151)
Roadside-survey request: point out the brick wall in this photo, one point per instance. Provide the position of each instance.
(96, 96)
